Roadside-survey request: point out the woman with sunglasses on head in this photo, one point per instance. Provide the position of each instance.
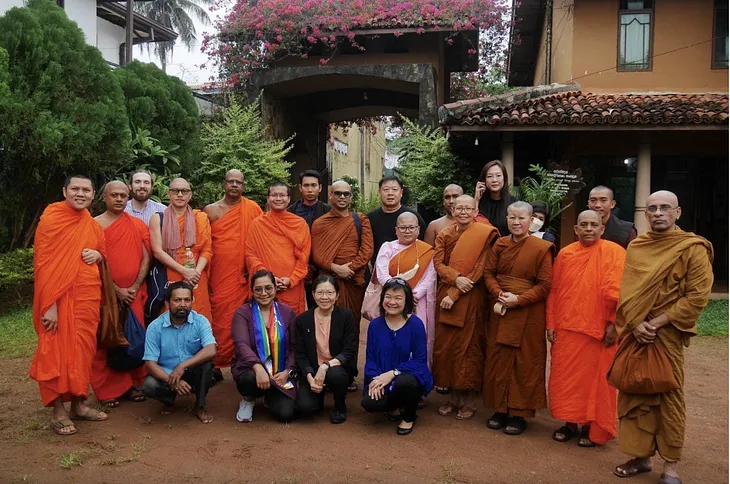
(325, 351)
(396, 369)
(264, 364)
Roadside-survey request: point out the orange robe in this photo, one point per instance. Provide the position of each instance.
(62, 361)
(229, 283)
(335, 241)
(280, 242)
(202, 248)
(514, 370)
(124, 241)
(458, 351)
(582, 301)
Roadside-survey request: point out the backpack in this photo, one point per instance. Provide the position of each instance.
(156, 286)
(358, 227)
(125, 358)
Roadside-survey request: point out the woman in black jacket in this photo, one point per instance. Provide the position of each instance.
(325, 344)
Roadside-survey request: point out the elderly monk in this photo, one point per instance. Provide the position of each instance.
(412, 260)
(601, 200)
(128, 255)
(183, 244)
(230, 220)
(518, 276)
(69, 244)
(581, 311)
(279, 241)
(665, 286)
(460, 257)
(451, 193)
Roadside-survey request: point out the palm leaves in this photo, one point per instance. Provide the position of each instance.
(543, 188)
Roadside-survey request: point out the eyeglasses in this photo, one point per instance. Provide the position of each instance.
(263, 290)
(180, 191)
(661, 208)
(408, 228)
(338, 194)
(325, 293)
(464, 209)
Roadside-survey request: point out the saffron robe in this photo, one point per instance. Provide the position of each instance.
(395, 258)
(62, 361)
(335, 241)
(666, 273)
(280, 242)
(229, 284)
(582, 302)
(514, 369)
(124, 241)
(460, 337)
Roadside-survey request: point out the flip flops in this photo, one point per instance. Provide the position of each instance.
(631, 468)
(566, 432)
(60, 424)
(515, 426)
(497, 421)
(584, 440)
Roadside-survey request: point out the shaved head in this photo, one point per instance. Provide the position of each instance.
(597, 190)
(451, 192)
(407, 228)
(466, 199)
(520, 206)
(464, 210)
(662, 211)
(663, 196)
(407, 218)
(454, 188)
(115, 184)
(341, 184)
(179, 183)
(589, 215)
(235, 173)
(589, 228)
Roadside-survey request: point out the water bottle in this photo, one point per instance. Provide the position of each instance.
(189, 260)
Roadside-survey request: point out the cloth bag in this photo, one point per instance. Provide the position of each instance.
(156, 287)
(641, 369)
(128, 357)
(371, 300)
(109, 333)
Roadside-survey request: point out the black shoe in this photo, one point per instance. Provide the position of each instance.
(217, 375)
(402, 431)
(353, 387)
(338, 416)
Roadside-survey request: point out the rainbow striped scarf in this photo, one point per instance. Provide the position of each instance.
(270, 339)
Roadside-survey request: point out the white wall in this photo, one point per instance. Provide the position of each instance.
(108, 39)
(83, 12)
(6, 5)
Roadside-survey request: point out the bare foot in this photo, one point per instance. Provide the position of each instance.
(81, 411)
(204, 416)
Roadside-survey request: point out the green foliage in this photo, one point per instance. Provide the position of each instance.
(62, 112)
(16, 279)
(236, 140)
(17, 336)
(714, 319)
(543, 188)
(427, 165)
(360, 203)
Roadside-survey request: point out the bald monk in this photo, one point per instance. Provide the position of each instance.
(451, 193)
(518, 278)
(459, 258)
(619, 231)
(184, 230)
(279, 241)
(128, 255)
(581, 315)
(412, 260)
(230, 220)
(69, 244)
(666, 284)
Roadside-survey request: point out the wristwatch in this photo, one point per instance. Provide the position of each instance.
(396, 372)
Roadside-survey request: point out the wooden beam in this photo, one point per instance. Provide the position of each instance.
(130, 32)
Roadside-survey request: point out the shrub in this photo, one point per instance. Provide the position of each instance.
(16, 279)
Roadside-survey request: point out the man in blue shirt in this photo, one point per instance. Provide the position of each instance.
(179, 351)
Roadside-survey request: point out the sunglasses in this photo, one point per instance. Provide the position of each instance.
(338, 193)
(397, 280)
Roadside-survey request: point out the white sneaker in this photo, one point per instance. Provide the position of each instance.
(245, 411)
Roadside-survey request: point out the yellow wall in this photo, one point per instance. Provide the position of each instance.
(562, 55)
(349, 164)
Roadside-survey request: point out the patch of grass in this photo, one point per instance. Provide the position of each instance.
(450, 469)
(17, 336)
(290, 479)
(714, 319)
(21, 478)
(70, 460)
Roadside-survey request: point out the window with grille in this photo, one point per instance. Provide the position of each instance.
(720, 35)
(635, 32)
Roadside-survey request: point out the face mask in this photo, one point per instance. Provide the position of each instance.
(536, 224)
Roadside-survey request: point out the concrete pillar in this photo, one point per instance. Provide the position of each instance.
(508, 154)
(643, 186)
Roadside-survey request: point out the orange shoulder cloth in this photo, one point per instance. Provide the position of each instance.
(469, 246)
(419, 252)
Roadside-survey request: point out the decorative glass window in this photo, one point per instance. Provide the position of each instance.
(634, 40)
(720, 35)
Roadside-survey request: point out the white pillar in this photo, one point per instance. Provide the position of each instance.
(643, 186)
(508, 154)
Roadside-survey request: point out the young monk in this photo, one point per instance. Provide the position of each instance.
(230, 220)
(460, 257)
(518, 278)
(581, 315)
(279, 241)
(128, 255)
(451, 193)
(69, 244)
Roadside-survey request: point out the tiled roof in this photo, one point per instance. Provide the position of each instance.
(566, 105)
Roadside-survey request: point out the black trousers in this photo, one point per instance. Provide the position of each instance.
(200, 379)
(281, 407)
(405, 395)
(336, 380)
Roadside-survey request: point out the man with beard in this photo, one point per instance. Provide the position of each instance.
(230, 219)
(179, 369)
(140, 206)
(451, 193)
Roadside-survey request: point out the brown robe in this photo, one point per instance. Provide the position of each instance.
(458, 353)
(666, 273)
(514, 369)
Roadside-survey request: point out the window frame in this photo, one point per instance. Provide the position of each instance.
(622, 11)
(715, 7)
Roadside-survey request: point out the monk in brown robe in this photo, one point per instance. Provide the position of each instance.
(451, 193)
(666, 284)
(69, 244)
(230, 219)
(518, 278)
(460, 257)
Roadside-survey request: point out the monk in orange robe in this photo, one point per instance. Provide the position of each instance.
(279, 241)
(183, 244)
(230, 220)
(518, 276)
(128, 255)
(69, 244)
(581, 315)
(460, 256)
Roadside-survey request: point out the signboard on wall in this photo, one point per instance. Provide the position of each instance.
(570, 182)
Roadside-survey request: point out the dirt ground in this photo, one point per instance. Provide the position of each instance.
(138, 444)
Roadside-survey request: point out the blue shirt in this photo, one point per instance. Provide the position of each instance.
(168, 346)
(404, 350)
(305, 211)
(145, 215)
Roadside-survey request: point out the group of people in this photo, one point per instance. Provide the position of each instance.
(278, 297)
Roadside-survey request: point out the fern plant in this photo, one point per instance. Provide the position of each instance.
(542, 188)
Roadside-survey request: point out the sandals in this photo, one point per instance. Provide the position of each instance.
(566, 432)
(60, 424)
(465, 413)
(497, 421)
(584, 440)
(136, 395)
(665, 479)
(111, 403)
(442, 390)
(515, 426)
(447, 409)
(631, 468)
(91, 415)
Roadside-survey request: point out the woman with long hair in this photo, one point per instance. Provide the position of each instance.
(492, 195)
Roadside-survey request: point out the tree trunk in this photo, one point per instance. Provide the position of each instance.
(30, 234)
